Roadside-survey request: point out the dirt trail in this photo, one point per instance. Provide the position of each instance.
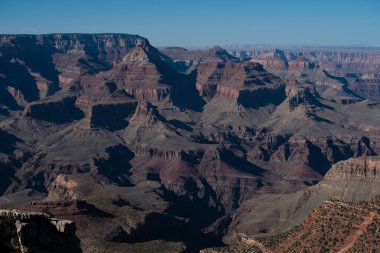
(288, 244)
(283, 247)
(352, 239)
(5, 199)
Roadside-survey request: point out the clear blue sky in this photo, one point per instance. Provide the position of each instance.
(203, 22)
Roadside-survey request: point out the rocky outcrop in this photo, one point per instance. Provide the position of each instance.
(145, 115)
(140, 67)
(302, 63)
(256, 98)
(365, 84)
(359, 60)
(245, 82)
(112, 116)
(275, 59)
(300, 96)
(352, 59)
(356, 169)
(32, 232)
(156, 153)
(352, 180)
(17, 96)
(64, 57)
(144, 76)
(332, 225)
(61, 111)
(153, 95)
(310, 157)
(359, 67)
(186, 61)
(143, 53)
(110, 48)
(216, 53)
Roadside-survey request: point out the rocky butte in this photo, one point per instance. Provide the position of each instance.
(36, 232)
(176, 150)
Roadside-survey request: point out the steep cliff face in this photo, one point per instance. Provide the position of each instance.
(112, 116)
(61, 111)
(358, 66)
(350, 180)
(186, 61)
(365, 84)
(145, 76)
(301, 95)
(360, 60)
(246, 83)
(275, 59)
(35, 232)
(359, 169)
(350, 59)
(310, 158)
(107, 47)
(145, 115)
(330, 84)
(302, 63)
(64, 57)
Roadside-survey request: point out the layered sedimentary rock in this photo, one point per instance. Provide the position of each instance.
(244, 82)
(359, 66)
(111, 115)
(145, 115)
(36, 232)
(110, 48)
(301, 63)
(186, 61)
(60, 111)
(359, 59)
(64, 57)
(350, 180)
(141, 72)
(359, 169)
(103, 130)
(145, 76)
(365, 84)
(301, 95)
(275, 59)
(331, 85)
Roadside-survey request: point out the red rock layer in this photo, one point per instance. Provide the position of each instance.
(245, 82)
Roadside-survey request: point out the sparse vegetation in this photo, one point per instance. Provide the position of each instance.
(331, 226)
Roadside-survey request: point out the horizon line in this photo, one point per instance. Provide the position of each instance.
(205, 46)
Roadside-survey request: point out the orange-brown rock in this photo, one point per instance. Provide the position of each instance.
(144, 76)
(275, 59)
(246, 82)
(356, 169)
(301, 63)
